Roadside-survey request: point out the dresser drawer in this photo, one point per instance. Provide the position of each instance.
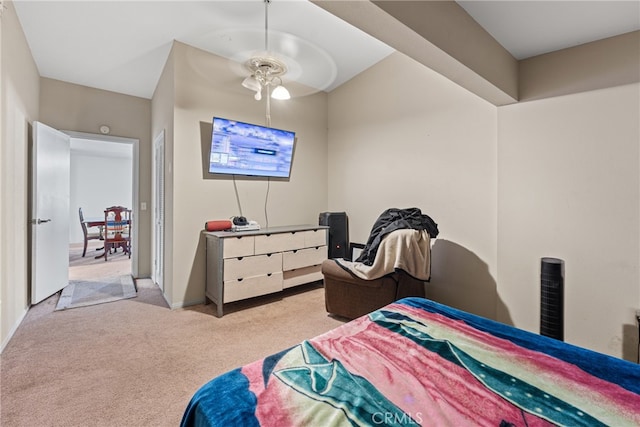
(269, 243)
(314, 238)
(235, 290)
(301, 275)
(238, 246)
(303, 258)
(243, 267)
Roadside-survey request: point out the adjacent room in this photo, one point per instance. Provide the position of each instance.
(515, 126)
(101, 176)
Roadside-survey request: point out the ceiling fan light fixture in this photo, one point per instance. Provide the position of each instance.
(266, 70)
(280, 92)
(252, 83)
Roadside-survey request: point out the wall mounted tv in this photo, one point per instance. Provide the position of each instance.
(239, 148)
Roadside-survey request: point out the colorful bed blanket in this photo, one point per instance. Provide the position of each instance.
(417, 362)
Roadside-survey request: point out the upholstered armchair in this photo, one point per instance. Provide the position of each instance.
(349, 296)
(395, 263)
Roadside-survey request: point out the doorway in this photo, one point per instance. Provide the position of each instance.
(103, 173)
(51, 213)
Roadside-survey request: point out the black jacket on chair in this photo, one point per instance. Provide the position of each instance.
(395, 219)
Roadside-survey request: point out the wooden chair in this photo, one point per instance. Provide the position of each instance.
(97, 235)
(117, 230)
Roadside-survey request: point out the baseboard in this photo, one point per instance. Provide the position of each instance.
(183, 304)
(165, 299)
(180, 304)
(13, 330)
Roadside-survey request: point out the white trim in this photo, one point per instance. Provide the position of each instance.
(13, 330)
(100, 137)
(183, 304)
(158, 208)
(166, 300)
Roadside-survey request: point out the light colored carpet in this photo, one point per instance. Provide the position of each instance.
(82, 293)
(135, 362)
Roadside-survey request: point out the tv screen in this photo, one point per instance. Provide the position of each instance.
(239, 148)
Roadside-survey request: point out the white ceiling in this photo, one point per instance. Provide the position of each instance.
(122, 46)
(530, 28)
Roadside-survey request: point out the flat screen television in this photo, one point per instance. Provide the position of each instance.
(239, 148)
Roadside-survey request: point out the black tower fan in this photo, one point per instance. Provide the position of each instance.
(552, 298)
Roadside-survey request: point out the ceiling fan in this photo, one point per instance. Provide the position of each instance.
(286, 61)
(266, 71)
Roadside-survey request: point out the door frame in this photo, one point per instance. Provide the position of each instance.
(158, 210)
(135, 193)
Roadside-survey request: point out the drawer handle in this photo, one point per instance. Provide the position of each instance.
(241, 279)
(268, 234)
(293, 232)
(295, 250)
(240, 258)
(269, 274)
(238, 237)
(269, 255)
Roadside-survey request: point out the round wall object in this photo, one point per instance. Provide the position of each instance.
(104, 129)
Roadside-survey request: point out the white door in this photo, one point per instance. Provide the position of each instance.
(158, 211)
(50, 212)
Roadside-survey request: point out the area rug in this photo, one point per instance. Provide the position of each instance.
(81, 293)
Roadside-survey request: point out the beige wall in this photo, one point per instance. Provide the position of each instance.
(204, 86)
(507, 185)
(401, 135)
(614, 61)
(162, 117)
(568, 174)
(19, 108)
(67, 106)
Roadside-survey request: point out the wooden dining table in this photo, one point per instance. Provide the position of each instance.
(96, 221)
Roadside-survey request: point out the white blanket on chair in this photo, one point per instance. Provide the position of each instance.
(404, 249)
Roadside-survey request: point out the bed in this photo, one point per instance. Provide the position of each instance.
(418, 362)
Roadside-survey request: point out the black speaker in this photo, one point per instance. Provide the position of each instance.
(552, 298)
(338, 233)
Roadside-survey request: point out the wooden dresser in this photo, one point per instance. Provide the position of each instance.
(246, 264)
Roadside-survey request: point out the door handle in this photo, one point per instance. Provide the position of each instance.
(39, 221)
